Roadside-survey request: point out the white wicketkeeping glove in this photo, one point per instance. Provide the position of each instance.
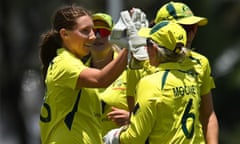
(124, 33)
(139, 18)
(137, 44)
(112, 137)
(119, 34)
(128, 25)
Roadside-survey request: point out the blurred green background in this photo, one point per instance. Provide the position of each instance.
(21, 93)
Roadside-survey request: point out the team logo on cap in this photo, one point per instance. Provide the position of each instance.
(180, 37)
(187, 11)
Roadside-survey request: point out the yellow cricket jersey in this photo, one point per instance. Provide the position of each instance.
(202, 67)
(198, 61)
(134, 75)
(112, 96)
(68, 115)
(167, 108)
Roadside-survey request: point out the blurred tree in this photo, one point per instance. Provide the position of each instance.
(11, 118)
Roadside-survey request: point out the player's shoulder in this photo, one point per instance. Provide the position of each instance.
(148, 78)
(197, 55)
(154, 77)
(199, 58)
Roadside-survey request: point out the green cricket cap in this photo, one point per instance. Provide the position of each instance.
(180, 13)
(166, 34)
(106, 18)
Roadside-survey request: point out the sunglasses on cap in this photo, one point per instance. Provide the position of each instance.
(102, 32)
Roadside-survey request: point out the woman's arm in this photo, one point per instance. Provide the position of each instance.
(209, 119)
(95, 78)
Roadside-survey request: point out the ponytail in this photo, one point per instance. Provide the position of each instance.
(167, 55)
(50, 42)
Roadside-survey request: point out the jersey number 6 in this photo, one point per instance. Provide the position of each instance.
(188, 120)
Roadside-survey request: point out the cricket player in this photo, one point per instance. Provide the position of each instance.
(167, 106)
(182, 14)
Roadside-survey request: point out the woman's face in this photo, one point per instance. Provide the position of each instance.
(191, 32)
(81, 38)
(101, 44)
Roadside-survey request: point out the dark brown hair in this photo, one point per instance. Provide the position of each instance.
(50, 41)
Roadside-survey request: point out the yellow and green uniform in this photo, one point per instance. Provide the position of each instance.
(167, 107)
(134, 75)
(202, 67)
(68, 115)
(200, 63)
(112, 96)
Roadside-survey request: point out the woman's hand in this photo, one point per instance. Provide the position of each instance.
(119, 116)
